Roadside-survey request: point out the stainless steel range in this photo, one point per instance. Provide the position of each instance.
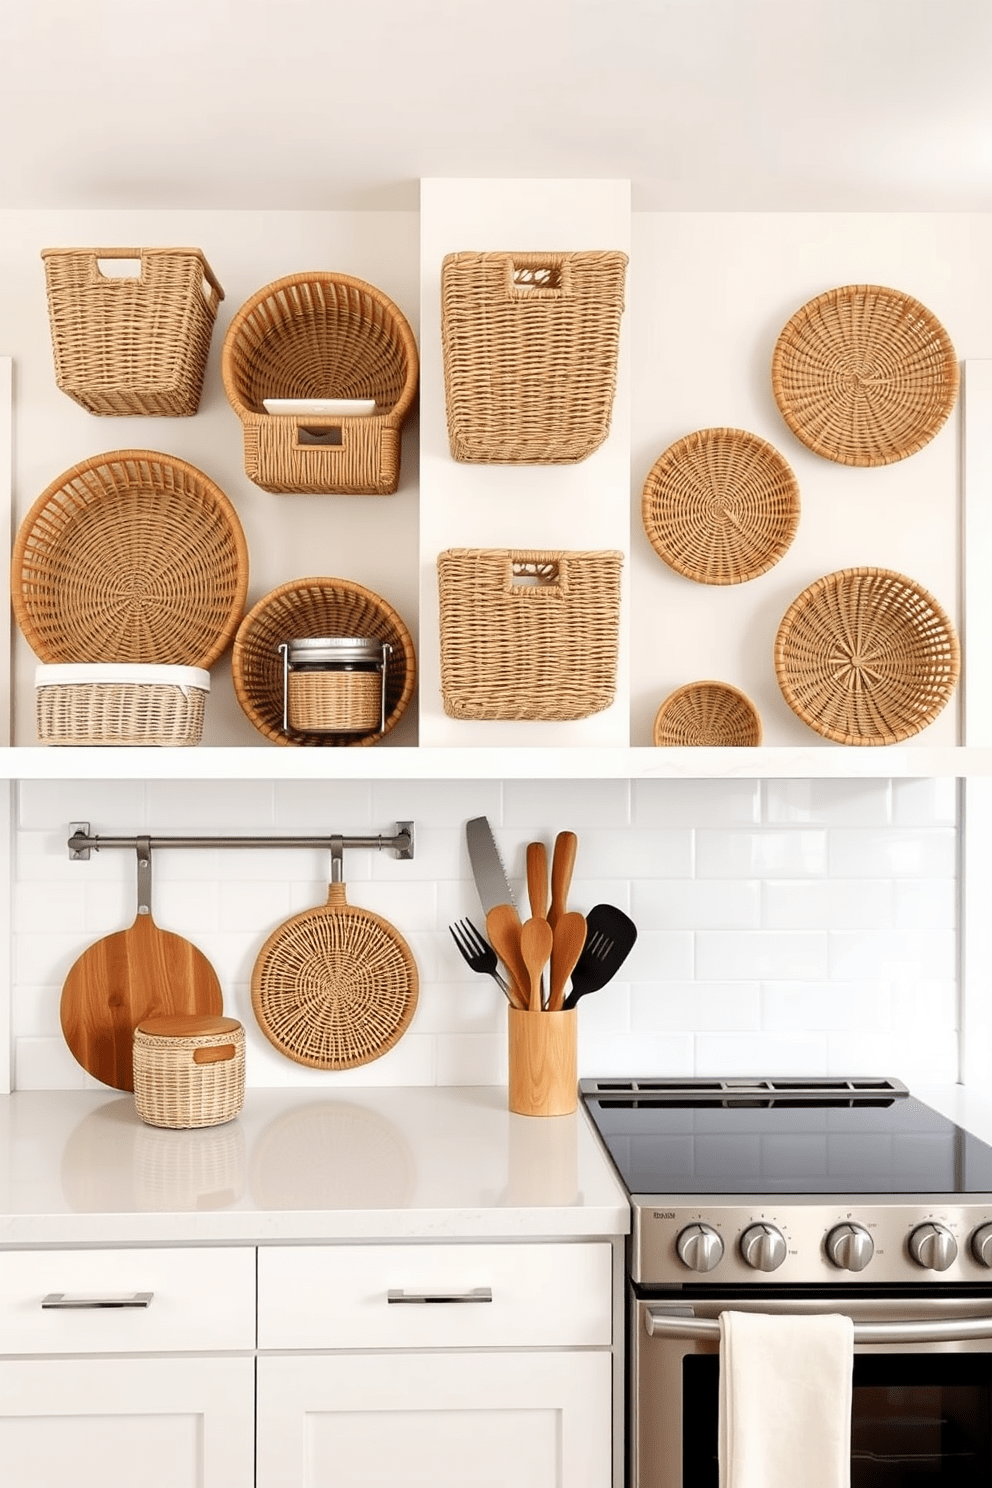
(806, 1196)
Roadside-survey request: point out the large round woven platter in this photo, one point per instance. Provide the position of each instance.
(720, 506)
(334, 987)
(707, 714)
(866, 656)
(131, 556)
(864, 375)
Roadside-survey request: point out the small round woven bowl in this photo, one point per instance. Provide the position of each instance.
(866, 656)
(864, 375)
(334, 987)
(720, 506)
(130, 556)
(707, 713)
(316, 607)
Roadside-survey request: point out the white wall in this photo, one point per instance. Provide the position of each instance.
(785, 927)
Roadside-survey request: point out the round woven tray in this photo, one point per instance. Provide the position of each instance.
(316, 607)
(720, 506)
(334, 987)
(130, 556)
(707, 713)
(866, 656)
(864, 375)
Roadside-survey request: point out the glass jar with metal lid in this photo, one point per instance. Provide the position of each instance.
(334, 684)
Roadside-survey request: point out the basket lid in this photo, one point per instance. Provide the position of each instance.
(334, 649)
(191, 1025)
(74, 673)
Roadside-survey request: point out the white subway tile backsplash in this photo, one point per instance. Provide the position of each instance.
(785, 927)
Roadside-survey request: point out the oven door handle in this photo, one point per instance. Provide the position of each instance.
(908, 1330)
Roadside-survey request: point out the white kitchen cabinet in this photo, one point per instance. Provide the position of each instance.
(117, 1423)
(538, 1419)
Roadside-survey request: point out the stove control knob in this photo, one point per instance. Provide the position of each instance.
(699, 1247)
(763, 1247)
(850, 1247)
(933, 1247)
(981, 1245)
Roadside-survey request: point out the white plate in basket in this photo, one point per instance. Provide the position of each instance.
(315, 407)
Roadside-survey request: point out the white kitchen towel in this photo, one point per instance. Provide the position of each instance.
(785, 1400)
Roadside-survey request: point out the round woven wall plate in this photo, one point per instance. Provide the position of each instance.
(131, 556)
(864, 375)
(720, 506)
(707, 713)
(866, 656)
(334, 987)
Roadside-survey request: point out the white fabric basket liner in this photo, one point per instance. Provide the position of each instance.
(114, 673)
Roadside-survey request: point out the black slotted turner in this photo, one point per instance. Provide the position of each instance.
(609, 936)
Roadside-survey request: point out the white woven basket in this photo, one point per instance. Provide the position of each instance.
(120, 703)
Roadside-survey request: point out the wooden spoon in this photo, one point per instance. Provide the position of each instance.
(569, 938)
(536, 941)
(503, 929)
(562, 863)
(537, 879)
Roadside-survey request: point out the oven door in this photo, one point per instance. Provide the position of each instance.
(922, 1396)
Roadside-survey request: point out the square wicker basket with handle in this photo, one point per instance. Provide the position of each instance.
(528, 634)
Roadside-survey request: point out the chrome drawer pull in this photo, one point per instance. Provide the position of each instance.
(908, 1330)
(77, 1301)
(477, 1294)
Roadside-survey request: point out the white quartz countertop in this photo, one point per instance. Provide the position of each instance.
(80, 1167)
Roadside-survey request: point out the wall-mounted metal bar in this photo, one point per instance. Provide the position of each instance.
(82, 842)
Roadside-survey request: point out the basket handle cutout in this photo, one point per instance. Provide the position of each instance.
(531, 276)
(217, 1055)
(126, 267)
(537, 576)
(322, 436)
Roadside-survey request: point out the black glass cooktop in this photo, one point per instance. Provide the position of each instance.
(784, 1137)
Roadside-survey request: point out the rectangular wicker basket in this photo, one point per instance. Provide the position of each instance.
(128, 345)
(120, 704)
(530, 343)
(527, 634)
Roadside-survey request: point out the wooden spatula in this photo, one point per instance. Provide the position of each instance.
(126, 977)
(569, 938)
(562, 863)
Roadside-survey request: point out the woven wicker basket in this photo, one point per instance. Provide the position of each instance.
(131, 556)
(126, 345)
(336, 986)
(707, 714)
(318, 607)
(321, 335)
(864, 375)
(188, 1071)
(866, 656)
(130, 704)
(345, 704)
(720, 506)
(530, 345)
(528, 635)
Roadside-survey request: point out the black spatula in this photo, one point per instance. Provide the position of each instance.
(609, 936)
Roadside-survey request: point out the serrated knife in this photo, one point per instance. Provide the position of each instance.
(487, 865)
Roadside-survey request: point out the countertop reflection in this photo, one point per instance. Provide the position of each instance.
(415, 1162)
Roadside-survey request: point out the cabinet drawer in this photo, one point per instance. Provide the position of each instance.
(434, 1296)
(196, 1299)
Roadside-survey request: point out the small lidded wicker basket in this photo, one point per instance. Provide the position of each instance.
(189, 1070)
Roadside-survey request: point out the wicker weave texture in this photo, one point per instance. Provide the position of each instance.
(334, 987)
(321, 335)
(864, 375)
(317, 607)
(130, 713)
(131, 346)
(176, 1081)
(335, 702)
(513, 648)
(130, 556)
(866, 656)
(530, 343)
(707, 714)
(720, 506)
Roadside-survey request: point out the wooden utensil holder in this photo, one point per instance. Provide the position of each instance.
(543, 1063)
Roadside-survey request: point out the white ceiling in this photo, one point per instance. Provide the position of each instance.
(705, 105)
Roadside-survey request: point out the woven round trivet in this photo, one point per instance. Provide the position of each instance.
(720, 506)
(707, 713)
(866, 656)
(864, 375)
(335, 986)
